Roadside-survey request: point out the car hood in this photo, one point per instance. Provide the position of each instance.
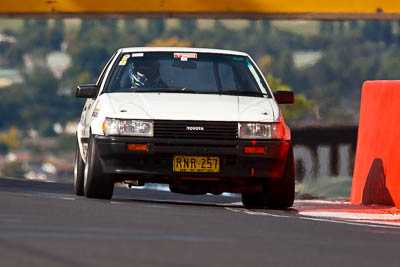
(179, 106)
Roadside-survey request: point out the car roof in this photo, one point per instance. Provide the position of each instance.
(182, 49)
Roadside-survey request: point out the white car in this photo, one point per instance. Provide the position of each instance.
(201, 120)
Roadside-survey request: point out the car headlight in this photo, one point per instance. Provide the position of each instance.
(255, 130)
(128, 127)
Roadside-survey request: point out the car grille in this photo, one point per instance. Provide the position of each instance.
(195, 130)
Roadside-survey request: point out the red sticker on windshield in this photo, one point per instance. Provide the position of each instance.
(185, 56)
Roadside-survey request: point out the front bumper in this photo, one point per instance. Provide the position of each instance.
(157, 162)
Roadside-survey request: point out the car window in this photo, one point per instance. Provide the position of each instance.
(186, 72)
(202, 78)
(227, 77)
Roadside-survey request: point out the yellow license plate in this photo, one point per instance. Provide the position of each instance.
(195, 164)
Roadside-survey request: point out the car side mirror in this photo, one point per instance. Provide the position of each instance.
(87, 91)
(284, 97)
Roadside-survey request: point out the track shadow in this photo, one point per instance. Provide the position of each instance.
(375, 190)
(176, 202)
(166, 197)
(124, 195)
(169, 198)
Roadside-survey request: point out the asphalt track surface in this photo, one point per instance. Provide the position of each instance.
(45, 224)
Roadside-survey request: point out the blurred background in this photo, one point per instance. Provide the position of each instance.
(323, 62)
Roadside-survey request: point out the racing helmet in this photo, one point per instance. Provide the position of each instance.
(144, 73)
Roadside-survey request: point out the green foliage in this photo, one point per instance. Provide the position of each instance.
(371, 30)
(276, 84)
(13, 169)
(156, 28)
(284, 67)
(173, 41)
(299, 110)
(131, 27)
(10, 140)
(13, 99)
(89, 59)
(187, 26)
(41, 88)
(326, 27)
(56, 35)
(391, 65)
(353, 25)
(36, 103)
(266, 26)
(302, 106)
(64, 143)
(13, 56)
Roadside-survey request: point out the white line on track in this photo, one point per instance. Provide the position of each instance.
(373, 224)
(259, 213)
(68, 198)
(362, 223)
(319, 201)
(352, 215)
(382, 222)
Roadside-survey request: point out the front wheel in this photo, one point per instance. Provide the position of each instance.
(96, 183)
(277, 193)
(79, 168)
(280, 192)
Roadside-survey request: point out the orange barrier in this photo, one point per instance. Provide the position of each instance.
(376, 177)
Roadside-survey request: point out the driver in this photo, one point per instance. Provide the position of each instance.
(145, 73)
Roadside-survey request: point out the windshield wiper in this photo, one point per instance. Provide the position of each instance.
(190, 91)
(165, 90)
(242, 92)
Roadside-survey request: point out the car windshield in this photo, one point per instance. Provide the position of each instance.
(199, 73)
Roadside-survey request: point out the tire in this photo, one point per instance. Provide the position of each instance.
(280, 192)
(79, 170)
(277, 193)
(96, 183)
